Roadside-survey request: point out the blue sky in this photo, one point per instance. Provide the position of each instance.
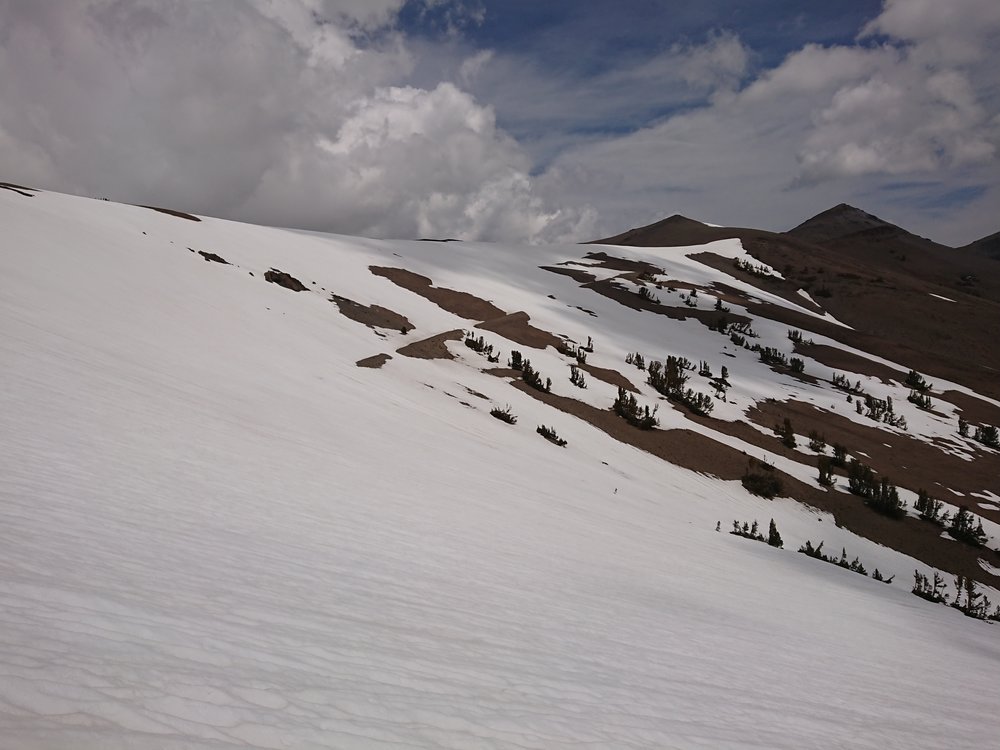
(511, 120)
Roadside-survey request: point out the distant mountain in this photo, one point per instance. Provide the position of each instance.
(847, 226)
(988, 247)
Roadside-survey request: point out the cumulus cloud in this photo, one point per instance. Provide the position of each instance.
(917, 96)
(283, 111)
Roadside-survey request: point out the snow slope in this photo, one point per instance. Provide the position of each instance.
(216, 531)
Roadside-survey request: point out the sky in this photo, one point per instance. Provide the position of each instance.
(510, 120)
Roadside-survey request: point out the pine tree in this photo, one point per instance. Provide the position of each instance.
(773, 537)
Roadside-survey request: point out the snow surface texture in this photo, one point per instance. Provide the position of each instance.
(217, 532)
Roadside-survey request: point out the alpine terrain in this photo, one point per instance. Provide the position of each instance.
(687, 487)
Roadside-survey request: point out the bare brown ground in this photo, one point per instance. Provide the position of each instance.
(576, 274)
(700, 453)
(373, 316)
(622, 264)
(517, 328)
(907, 461)
(837, 358)
(611, 377)
(463, 304)
(974, 410)
(432, 347)
(374, 362)
(776, 286)
(172, 212)
(607, 288)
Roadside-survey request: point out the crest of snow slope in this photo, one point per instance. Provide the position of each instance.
(218, 532)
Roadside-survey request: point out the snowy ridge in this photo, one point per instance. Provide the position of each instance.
(218, 531)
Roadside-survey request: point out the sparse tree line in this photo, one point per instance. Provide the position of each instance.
(969, 600)
(627, 407)
(750, 531)
(776, 358)
(964, 526)
(754, 269)
(975, 604)
(880, 410)
(795, 336)
(668, 378)
(854, 565)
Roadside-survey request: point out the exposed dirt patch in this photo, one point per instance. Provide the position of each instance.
(577, 274)
(907, 461)
(285, 279)
(463, 304)
(517, 328)
(611, 377)
(503, 372)
(837, 358)
(433, 347)
(172, 212)
(374, 362)
(973, 409)
(778, 287)
(622, 264)
(213, 258)
(373, 316)
(710, 318)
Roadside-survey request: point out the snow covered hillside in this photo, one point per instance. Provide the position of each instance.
(218, 531)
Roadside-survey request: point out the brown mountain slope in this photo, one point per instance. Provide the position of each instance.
(988, 247)
(907, 299)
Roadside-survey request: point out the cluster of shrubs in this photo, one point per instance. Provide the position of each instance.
(635, 358)
(964, 526)
(775, 358)
(529, 374)
(916, 382)
(854, 565)
(648, 296)
(504, 415)
(480, 346)
(840, 381)
(879, 494)
(576, 377)
(786, 432)
(628, 408)
(880, 410)
(750, 531)
(975, 605)
(576, 350)
(760, 479)
(825, 464)
(986, 434)
(760, 271)
(669, 378)
(920, 400)
(795, 336)
(550, 434)
(532, 377)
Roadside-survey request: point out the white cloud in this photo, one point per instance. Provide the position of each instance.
(826, 124)
(270, 110)
(409, 162)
